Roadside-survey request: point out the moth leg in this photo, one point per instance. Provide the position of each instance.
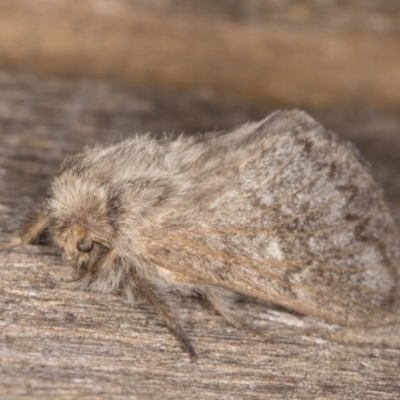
(81, 283)
(35, 223)
(158, 301)
(100, 277)
(221, 301)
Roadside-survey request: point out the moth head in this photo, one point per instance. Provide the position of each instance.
(84, 245)
(81, 248)
(82, 240)
(82, 220)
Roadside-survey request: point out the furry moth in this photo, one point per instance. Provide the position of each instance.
(280, 210)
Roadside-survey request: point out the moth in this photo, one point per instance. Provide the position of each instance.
(280, 210)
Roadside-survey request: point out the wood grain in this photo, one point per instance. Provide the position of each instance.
(60, 344)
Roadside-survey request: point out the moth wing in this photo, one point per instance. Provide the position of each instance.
(289, 214)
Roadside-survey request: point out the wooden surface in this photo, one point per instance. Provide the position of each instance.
(65, 345)
(289, 52)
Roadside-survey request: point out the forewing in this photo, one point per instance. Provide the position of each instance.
(290, 214)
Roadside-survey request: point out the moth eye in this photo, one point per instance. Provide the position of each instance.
(84, 245)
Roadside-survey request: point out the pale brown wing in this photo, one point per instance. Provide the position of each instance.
(289, 214)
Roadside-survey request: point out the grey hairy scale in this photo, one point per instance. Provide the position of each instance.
(280, 210)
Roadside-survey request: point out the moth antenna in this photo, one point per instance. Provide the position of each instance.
(166, 313)
(34, 224)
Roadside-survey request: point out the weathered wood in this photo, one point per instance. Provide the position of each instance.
(60, 344)
(309, 53)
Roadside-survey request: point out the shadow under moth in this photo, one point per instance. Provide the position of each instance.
(280, 210)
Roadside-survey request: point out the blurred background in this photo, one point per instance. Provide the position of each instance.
(316, 53)
(76, 72)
